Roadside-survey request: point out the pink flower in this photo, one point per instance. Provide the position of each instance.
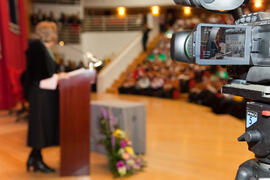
(104, 113)
(137, 167)
(112, 120)
(128, 167)
(120, 164)
(125, 156)
(138, 163)
(123, 143)
(129, 143)
(113, 141)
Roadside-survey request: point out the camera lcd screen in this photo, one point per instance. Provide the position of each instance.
(223, 44)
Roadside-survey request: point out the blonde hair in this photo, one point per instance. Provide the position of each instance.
(46, 31)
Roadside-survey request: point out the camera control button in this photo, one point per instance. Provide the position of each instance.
(254, 18)
(248, 19)
(266, 113)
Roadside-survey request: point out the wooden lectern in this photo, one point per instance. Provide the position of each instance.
(75, 123)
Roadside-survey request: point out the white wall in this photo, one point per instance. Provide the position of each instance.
(125, 58)
(57, 9)
(114, 69)
(101, 44)
(70, 52)
(110, 44)
(126, 3)
(153, 24)
(106, 44)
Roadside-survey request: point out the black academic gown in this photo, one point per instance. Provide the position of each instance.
(43, 129)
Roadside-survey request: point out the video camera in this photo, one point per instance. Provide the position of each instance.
(244, 43)
(245, 48)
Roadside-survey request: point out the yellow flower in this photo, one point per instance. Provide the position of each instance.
(130, 150)
(119, 133)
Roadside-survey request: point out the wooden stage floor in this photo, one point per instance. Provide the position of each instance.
(184, 142)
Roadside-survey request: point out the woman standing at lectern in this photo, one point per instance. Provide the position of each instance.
(43, 129)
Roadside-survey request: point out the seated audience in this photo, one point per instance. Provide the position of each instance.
(159, 76)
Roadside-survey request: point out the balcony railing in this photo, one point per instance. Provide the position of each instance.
(58, 1)
(69, 33)
(112, 23)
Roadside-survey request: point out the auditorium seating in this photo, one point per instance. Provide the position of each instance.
(159, 76)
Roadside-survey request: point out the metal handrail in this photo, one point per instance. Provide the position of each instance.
(112, 23)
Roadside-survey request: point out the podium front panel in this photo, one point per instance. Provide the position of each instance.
(74, 125)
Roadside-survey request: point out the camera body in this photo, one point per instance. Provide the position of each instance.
(245, 43)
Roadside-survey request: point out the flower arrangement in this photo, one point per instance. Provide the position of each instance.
(122, 159)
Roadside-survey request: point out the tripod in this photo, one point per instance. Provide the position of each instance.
(257, 133)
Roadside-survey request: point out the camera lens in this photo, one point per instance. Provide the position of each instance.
(182, 47)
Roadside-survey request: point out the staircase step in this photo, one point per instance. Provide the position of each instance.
(117, 83)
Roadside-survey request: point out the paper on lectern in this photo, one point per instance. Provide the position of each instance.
(76, 72)
(49, 83)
